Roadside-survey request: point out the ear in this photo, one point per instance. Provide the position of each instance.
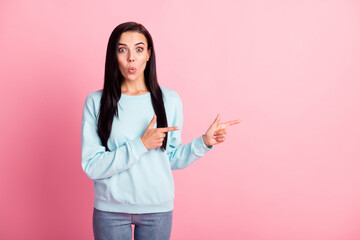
(149, 52)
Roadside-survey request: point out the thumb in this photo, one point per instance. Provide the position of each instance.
(152, 123)
(217, 120)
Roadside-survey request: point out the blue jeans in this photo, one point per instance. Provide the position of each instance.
(115, 225)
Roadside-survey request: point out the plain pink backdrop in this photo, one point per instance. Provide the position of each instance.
(289, 70)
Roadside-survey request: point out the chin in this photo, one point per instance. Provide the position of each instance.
(132, 78)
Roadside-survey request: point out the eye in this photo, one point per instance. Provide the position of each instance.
(140, 49)
(120, 49)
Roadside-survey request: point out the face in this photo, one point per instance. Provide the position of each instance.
(132, 53)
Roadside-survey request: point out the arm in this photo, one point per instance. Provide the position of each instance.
(180, 156)
(95, 161)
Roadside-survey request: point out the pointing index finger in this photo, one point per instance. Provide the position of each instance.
(229, 123)
(168, 129)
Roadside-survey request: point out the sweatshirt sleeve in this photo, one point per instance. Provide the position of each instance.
(98, 163)
(180, 156)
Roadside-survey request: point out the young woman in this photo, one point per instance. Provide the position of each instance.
(131, 140)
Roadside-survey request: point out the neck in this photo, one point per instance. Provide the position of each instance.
(134, 86)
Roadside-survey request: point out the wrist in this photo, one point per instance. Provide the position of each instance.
(203, 137)
(143, 143)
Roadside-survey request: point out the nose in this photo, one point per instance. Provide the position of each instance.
(131, 57)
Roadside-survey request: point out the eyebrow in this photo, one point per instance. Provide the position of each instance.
(126, 45)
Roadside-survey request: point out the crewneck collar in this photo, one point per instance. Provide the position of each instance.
(135, 96)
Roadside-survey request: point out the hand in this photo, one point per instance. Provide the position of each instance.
(153, 137)
(217, 131)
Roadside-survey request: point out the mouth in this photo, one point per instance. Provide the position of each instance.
(131, 70)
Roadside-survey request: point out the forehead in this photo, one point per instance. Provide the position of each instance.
(131, 38)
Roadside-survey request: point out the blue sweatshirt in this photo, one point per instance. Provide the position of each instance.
(130, 178)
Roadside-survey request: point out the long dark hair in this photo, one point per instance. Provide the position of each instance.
(113, 80)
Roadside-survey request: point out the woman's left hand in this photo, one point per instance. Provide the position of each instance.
(217, 131)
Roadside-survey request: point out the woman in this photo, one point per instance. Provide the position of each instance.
(127, 147)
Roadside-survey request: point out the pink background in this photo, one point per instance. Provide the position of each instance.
(289, 70)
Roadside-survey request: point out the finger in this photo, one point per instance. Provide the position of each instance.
(217, 119)
(168, 129)
(160, 135)
(152, 122)
(229, 123)
(221, 131)
(220, 136)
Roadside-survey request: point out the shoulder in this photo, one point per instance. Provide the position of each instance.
(170, 95)
(92, 103)
(94, 97)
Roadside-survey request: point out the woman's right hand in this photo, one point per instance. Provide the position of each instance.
(153, 137)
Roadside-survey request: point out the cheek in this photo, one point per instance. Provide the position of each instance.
(121, 62)
(143, 60)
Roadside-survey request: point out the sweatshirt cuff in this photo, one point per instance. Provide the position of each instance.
(138, 147)
(200, 146)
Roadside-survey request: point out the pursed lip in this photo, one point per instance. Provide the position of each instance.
(132, 68)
